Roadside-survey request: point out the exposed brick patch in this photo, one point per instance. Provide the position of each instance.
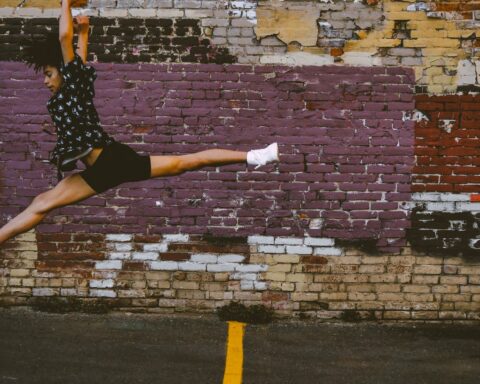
(447, 147)
(129, 40)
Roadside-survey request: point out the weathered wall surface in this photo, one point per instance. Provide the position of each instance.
(374, 207)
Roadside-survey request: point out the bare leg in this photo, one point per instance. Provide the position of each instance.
(175, 165)
(70, 190)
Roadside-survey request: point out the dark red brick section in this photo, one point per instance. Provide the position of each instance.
(447, 159)
(346, 152)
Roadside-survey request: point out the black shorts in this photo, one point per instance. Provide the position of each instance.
(117, 164)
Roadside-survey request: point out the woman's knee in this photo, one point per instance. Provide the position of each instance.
(42, 203)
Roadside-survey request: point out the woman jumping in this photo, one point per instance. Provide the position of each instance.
(80, 135)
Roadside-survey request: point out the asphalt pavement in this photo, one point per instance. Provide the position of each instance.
(37, 347)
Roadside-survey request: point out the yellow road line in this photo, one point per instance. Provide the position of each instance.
(234, 361)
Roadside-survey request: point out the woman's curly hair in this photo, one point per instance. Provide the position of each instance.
(41, 52)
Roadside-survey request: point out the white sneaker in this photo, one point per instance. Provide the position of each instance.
(263, 156)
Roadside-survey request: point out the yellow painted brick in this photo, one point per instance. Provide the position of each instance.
(390, 296)
(418, 297)
(384, 278)
(333, 296)
(453, 260)
(425, 279)
(28, 282)
(223, 276)
(398, 315)
(369, 305)
(430, 306)
(304, 296)
(344, 268)
(292, 259)
(457, 297)
(375, 260)
(439, 52)
(475, 298)
(453, 280)
(447, 306)
(361, 296)
(328, 278)
(467, 307)
(354, 278)
(453, 315)
(417, 43)
(474, 270)
(275, 285)
(402, 260)
(424, 315)
(280, 268)
(427, 269)
(185, 285)
(19, 272)
(300, 278)
(360, 288)
(55, 283)
(258, 259)
(158, 275)
(417, 288)
(427, 34)
(371, 269)
(344, 260)
(398, 305)
(445, 289)
(340, 306)
(213, 286)
(470, 289)
(302, 287)
(387, 287)
(275, 276)
(288, 287)
(399, 15)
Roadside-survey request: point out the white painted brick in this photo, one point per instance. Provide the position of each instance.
(54, 12)
(271, 248)
(426, 196)
(6, 11)
(187, 266)
(230, 259)
(251, 268)
(107, 283)
(118, 255)
(319, 241)
(159, 247)
(244, 276)
(288, 241)
(299, 250)
(176, 238)
(169, 13)
(198, 13)
(215, 22)
(115, 237)
(139, 12)
(443, 207)
(164, 265)
(204, 258)
(68, 292)
(28, 12)
(261, 240)
(260, 285)
(102, 293)
(221, 267)
(468, 206)
(327, 251)
(145, 255)
(454, 197)
(123, 247)
(108, 264)
(43, 292)
(107, 12)
(246, 285)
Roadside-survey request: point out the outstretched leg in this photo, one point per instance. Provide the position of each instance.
(175, 165)
(68, 191)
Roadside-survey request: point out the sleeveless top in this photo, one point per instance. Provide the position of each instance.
(75, 118)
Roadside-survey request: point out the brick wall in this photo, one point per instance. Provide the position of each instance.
(347, 153)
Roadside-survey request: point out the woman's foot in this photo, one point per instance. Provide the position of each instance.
(263, 156)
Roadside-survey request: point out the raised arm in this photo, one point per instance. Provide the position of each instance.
(66, 31)
(82, 26)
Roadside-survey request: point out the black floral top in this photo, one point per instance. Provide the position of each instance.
(75, 117)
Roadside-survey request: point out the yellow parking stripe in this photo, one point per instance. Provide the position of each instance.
(234, 361)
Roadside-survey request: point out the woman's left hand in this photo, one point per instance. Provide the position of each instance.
(81, 24)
